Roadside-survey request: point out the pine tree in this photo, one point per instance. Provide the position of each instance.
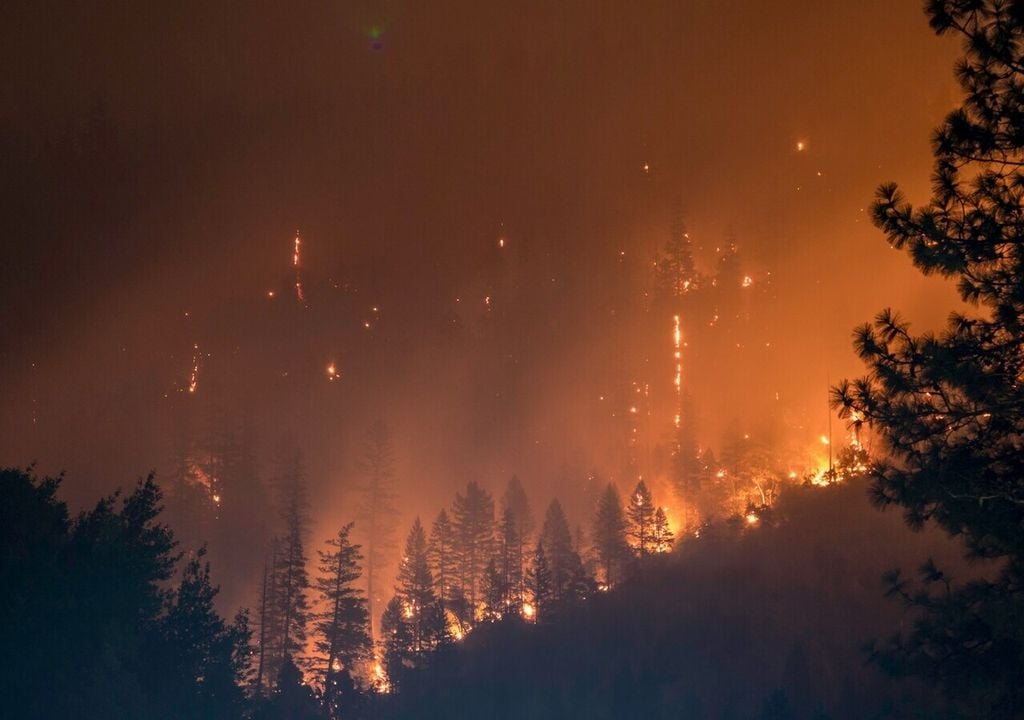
(495, 592)
(640, 513)
(609, 533)
(396, 639)
(515, 500)
(474, 532)
(441, 551)
(343, 640)
(661, 533)
(948, 407)
(268, 620)
(376, 510)
(420, 609)
(291, 579)
(510, 566)
(200, 645)
(538, 583)
(568, 581)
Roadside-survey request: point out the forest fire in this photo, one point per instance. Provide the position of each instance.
(539, 417)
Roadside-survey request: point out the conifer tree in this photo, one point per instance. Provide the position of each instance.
(199, 644)
(609, 534)
(474, 532)
(441, 551)
(342, 626)
(376, 510)
(396, 641)
(568, 577)
(538, 583)
(661, 533)
(420, 609)
(267, 617)
(514, 498)
(640, 513)
(948, 406)
(510, 568)
(291, 579)
(495, 592)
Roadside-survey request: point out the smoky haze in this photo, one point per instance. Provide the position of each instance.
(481, 191)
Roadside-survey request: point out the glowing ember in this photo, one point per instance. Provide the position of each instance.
(193, 381)
(300, 296)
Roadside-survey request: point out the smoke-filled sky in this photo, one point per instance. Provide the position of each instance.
(494, 178)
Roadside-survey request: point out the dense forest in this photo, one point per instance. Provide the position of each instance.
(883, 578)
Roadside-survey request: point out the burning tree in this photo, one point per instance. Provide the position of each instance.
(948, 407)
(413, 623)
(640, 512)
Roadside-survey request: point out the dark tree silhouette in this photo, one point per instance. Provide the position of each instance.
(441, 551)
(609, 535)
(291, 579)
(515, 500)
(949, 406)
(509, 564)
(89, 615)
(474, 532)
(342, 626)
(640, 512)
(538, 584)
(207, 660)
(569, 581)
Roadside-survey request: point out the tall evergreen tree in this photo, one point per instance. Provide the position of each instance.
(949, 407)
(342, 626)
(420, 609)
(268, 627)
(640, 512)
(441, 551)
(291, 579)
(515, 499)
(204, 660)
(609, 535)
(538, 584)
(568, 579)
(376, 510)
(495, 591)
(661, 533)
(396, 639)
(474, 532)
(510, 564)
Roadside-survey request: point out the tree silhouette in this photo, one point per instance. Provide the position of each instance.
(609, 534)
(948, 407)
(342, 627)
